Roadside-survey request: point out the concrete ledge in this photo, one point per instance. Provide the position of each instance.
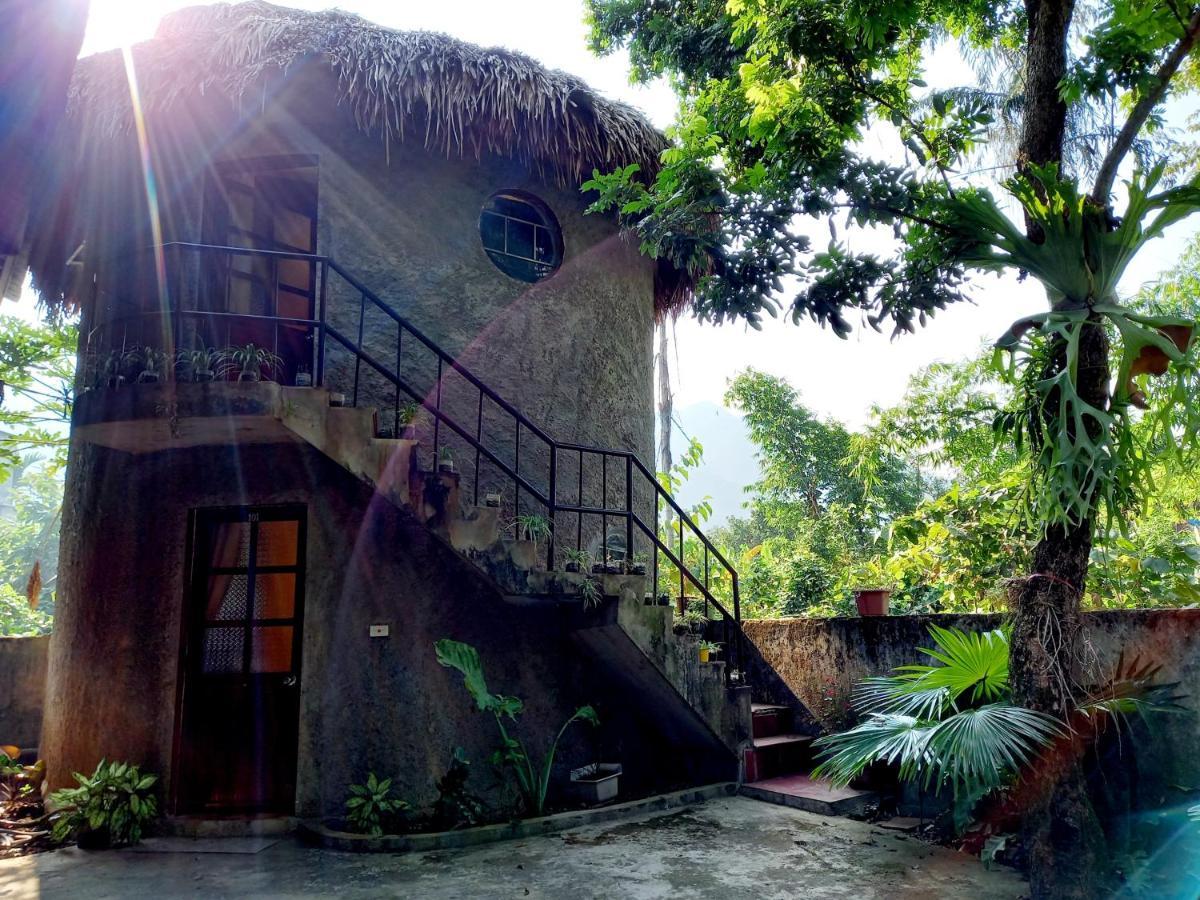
(229, 827)
(314, 831)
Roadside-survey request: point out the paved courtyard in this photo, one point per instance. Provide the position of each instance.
(728, 848)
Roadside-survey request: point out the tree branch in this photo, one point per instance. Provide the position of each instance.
(1141, 111)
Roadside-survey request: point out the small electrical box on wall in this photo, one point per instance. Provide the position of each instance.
(379, 631)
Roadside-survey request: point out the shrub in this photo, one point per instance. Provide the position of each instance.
(371, 805)
(112, 805)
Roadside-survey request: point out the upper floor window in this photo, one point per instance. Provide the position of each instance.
(521, 236)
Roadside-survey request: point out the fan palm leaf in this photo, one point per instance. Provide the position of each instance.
(883, 737)
(988, 746)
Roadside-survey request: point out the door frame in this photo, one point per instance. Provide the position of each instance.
(189, 618)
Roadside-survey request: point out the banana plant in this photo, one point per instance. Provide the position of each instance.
(533, 780)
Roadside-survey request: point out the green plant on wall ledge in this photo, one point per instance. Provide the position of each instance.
(110, 807)
(249, 362)
(591, 593)
(533, 780)
(371, 805)
(531, 528)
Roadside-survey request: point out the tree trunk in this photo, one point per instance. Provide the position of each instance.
(1044, 121)
(666, 402)
(1066, 844)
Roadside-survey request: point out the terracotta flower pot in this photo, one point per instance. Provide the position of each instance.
(872, 601)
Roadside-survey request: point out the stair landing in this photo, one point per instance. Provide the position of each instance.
(811, 795)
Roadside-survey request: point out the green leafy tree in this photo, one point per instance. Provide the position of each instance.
(37, 369)
(776, 98)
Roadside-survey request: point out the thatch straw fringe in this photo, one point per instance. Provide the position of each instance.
(467, 100)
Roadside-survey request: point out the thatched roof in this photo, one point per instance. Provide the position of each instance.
(455, 97)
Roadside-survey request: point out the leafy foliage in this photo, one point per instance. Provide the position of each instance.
(116, 798)
(952, 723)
(371, 806)
(37, 367)
(533, 780)
(456, 806)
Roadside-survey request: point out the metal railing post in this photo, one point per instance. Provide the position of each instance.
(553, 506)
(628, 510)
(362, 316)
(319, 369)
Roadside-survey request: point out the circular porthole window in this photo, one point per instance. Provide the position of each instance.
(521, 236)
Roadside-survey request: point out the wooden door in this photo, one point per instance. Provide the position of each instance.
(240, 706)
(264, 204)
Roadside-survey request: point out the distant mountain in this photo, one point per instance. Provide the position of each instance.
(729, 463)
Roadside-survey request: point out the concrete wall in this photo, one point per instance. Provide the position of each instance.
(366, 705)
(821, 660)
(23, 676)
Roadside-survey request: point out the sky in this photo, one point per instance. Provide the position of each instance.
(840, 378)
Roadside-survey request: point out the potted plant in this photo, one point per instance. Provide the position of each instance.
(492, 500)
(152, 365)
(708, 650)
(199, 365)
(596, 783)
(591, 593)
(872, 590)
(249, 361)
(408, 415)
(114, 368)
(664, 599)
(576, 560)
(446, 461)
(635, 565)
(614, 566)
(530, 531)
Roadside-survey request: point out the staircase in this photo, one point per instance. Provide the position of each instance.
(630, 628)
(778, 763)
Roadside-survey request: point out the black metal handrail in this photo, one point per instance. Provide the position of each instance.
(633, 481)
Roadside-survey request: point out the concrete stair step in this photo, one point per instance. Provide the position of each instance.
(782, 740)
(811, 795)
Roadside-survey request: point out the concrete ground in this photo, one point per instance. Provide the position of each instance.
(728, 848)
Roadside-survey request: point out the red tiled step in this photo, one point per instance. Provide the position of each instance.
(768, 720)
(809, 794)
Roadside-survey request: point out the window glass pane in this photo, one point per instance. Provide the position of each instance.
(223, 649)
(274, 596)
(230, 545)
(520, 239)
(226, 597)
(491, 231)
(514, 208)
(277, 543)
(271, 649)
(295, 273)
(543, 244)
